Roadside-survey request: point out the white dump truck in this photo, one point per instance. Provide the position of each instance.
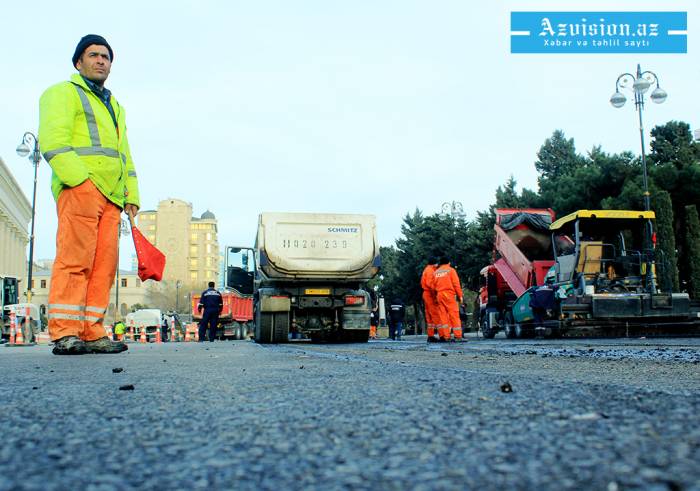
(311, 270)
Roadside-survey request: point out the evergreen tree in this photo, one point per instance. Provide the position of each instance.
(692, 250)
(666, 241)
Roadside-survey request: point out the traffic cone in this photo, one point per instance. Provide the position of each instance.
(195, 328)
(158, 339)
(143, 337)
(13, 327)
(172, 329)
(19, 337)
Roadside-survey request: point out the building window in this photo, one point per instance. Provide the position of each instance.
(124, 282)
(193, 250)
(194, 263)
(151, 227)
(193, 236)
(193, 275)
(43, 283)
(208, 248)
(208, 235)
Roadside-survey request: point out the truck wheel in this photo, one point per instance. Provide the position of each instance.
(509, 325)
(245, 330)
(281, 327)
(486, 330)
(263, 327)
(272, 327)
(236, 331)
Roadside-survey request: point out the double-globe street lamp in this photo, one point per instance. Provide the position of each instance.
(29, 147)
(639, 84)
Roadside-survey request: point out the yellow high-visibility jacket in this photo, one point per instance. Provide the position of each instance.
(79, 141)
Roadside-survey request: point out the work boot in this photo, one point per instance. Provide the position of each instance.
(69, 345)
(105, 345)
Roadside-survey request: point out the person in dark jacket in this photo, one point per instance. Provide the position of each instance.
(212, 303)
(397, 312)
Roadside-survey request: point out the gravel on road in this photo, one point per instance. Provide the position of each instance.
(381, 415)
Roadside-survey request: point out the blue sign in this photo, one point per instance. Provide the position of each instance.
(598, 32)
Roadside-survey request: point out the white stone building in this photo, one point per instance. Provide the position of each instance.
(15, 215)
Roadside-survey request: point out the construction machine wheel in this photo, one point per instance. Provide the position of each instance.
(484, 324)
(509, 325)
(519, 331)
(245, 330)
(236, 331)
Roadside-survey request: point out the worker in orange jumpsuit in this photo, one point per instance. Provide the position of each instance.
(432, 310)
(448, 290)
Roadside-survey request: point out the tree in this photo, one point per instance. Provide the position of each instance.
(692, 250)
(661, 204)
(557, 157)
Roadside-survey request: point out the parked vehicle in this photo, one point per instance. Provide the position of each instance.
(146, 320)
(9, 295)
(311, 270)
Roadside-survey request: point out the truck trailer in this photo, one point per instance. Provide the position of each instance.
(311, 271)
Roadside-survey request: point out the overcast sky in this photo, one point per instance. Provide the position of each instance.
(319, 105)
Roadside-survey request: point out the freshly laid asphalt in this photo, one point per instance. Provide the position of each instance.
(583, 414)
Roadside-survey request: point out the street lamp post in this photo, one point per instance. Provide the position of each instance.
(639, 84)
(24, 150)
(177, 295)
(123, 230)
(456, 211)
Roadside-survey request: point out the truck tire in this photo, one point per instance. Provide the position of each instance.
(486, 330)
(272, 327)
(236, 331)
(509, 325)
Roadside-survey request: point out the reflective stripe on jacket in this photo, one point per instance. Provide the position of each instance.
(79, 141)
(445, 279)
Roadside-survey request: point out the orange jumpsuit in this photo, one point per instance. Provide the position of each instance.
(446, 284)
(86, 262)
(432, 314)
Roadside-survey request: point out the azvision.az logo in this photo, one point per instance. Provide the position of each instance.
(598, 32)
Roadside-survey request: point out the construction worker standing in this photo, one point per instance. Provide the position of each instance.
(212, 303)
(448, 290)
(82, 131)
(432, 314)
(119, 330)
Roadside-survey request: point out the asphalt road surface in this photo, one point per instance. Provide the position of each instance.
(582, 414)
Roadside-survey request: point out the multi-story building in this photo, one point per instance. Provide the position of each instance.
(15, 214)
(190, 244)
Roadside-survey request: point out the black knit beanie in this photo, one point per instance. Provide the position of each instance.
(89, 40)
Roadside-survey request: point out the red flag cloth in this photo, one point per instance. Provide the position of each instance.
(151, 260)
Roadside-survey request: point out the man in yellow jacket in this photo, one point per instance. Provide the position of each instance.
(82, 133)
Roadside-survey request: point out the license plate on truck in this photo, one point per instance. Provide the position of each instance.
(317, 291)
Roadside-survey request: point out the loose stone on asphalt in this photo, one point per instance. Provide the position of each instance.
(382, 415)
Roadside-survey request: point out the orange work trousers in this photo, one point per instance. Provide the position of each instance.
(85, 264)
(432, 312)
(449, 315)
